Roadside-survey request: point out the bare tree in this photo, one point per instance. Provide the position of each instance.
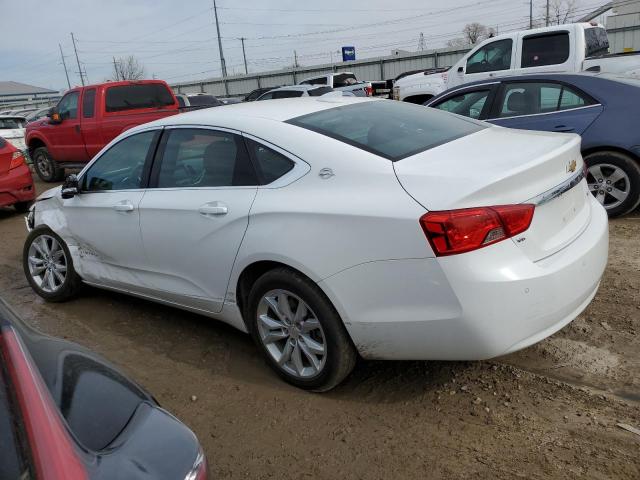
(472, 34)
(560, 12)
(127, 68)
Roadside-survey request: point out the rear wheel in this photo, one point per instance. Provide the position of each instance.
(298, 331)
(48, 266)
(614, 179)
(46, 167)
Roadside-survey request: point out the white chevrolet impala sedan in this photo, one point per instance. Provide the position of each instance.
(333, 226)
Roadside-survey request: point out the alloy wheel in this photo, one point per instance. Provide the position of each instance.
(47, 263)
(609, 184)
(291, 333)
(43, 165)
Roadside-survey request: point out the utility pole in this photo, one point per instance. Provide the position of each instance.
(421, 42)
(547, 17)
(73, 40)
(530, 14)
(223, 65)
(65, 66)
(115, 69)
(244, 55)
(295, 59)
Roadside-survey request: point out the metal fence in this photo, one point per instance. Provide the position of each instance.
(380, 68)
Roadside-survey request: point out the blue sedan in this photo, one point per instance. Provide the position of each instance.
(604, 109)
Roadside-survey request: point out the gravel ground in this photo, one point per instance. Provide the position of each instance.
(549, 411)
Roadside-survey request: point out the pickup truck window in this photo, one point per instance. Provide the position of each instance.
(120, 167)
(89, 103)
(68, 106)
(545, 49)
(392, 130)
(597, 42)
(492, 57)
(130, 97)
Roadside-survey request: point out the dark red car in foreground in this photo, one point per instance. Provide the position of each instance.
(16, 183)
(67, 414)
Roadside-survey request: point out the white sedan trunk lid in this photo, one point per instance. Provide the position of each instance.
(499, 166)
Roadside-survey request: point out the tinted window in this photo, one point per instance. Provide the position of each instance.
(316, 92)
(88, 103)
(68, 106)
(469, 104)
(597, 42)
(180, 101)
(286, 94)
(266, 96)
(204, 158)
(11, 123)
(344, 80)
(129, 97)
(120, 167)
(533, 98)
(315, 81)
(201, 100)
(393, 130)
(492, 57)
(3, 142)
(271, 164)
(547, 49)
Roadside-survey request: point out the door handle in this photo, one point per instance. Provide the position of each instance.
(213, 208)
(124, 206)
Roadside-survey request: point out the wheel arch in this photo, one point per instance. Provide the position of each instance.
(35, 142)
(611, 148)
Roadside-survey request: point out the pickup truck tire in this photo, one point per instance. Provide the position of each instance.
(614, 173)
(46, 167)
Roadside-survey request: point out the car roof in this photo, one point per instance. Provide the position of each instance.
(282, 110)
(298, 88)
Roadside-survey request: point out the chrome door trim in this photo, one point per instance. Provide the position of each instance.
(544, 113)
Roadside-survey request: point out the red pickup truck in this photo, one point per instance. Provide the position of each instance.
(87, 118)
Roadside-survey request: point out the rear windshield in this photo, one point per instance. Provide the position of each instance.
(11, 123)
(597, 42)
(199, 100)
(393, 130)
(130, 97)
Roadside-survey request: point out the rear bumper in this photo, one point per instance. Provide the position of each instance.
(469, 307)
(16, 186)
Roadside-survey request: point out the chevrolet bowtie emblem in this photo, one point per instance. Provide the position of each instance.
(572, 166)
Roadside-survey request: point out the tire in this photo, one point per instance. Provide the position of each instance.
(22, 207)
(319, 323)
(46, 167)
(625, 174)
(32, 251)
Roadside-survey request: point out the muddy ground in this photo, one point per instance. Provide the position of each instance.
(549, 411)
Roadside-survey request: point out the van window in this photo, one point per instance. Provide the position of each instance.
(597, 42)
(492, 57)
(131, 97)
(546, 49)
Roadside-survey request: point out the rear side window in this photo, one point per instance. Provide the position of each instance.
(271, 165)
(202, 100)
(316, 92)
(393, 130)
(195, 158)
(547, 49)
(89, 103)
(344, 80)
(286, 94)
(597, 41)
(131, 97)
(530, 98)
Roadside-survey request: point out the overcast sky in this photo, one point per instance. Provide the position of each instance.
(175, 40)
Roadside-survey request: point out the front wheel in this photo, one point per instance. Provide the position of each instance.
(46, 167)
(48, 266)
(614, 179)
(299, 332)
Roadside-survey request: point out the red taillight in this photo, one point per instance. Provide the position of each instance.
(54, 453)
(458, 231)
(17, 159)
(369, 91)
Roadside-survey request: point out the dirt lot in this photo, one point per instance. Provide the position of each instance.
(547, 412)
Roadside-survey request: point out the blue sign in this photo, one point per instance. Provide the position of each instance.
(348, 53)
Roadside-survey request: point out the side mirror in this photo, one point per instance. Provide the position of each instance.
(70, 187)
(54, 116)
(460, 69)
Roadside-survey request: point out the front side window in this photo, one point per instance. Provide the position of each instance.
(89, 103)
(135, 96)
(392, 130)
(492, 57)
(546, 49)
(469, 104)
(195, 157)
(121, 167)
(68, 106)
(529, 98)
